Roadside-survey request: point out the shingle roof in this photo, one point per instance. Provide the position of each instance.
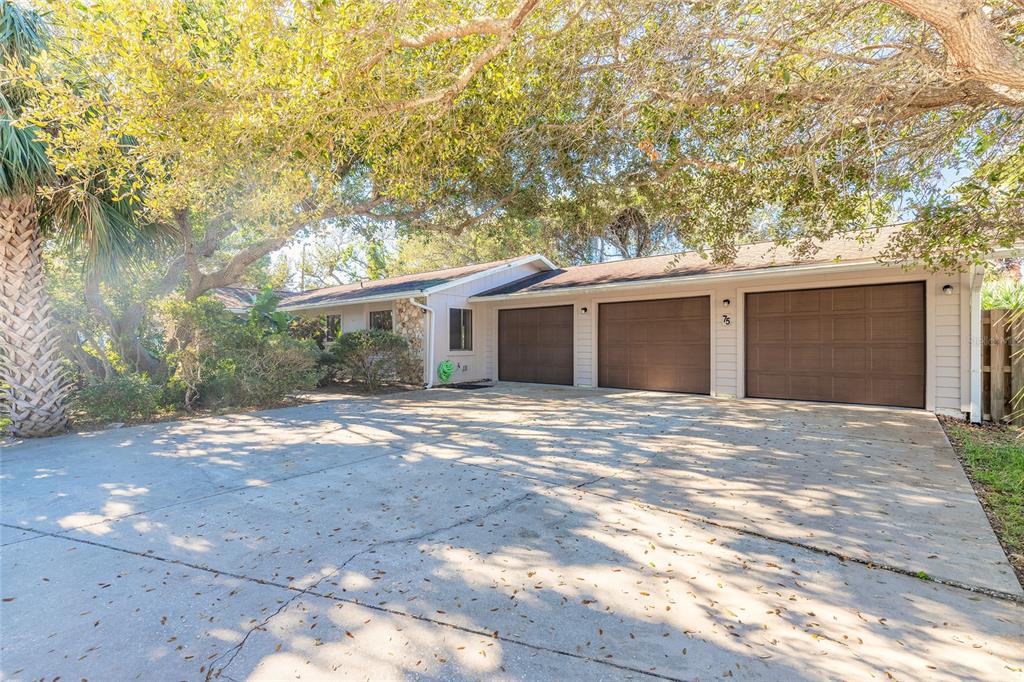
(762, 255)
(390, 286)
(238, 298)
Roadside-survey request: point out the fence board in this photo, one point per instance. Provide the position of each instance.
(1002, 365)
(1017, 370)
(997, 368)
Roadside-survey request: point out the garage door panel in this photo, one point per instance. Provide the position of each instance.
(661, 345)
(868, 347)
(849, 358)
(536, 345)
(769, 329)
(806, 357)
(848, 300)
(805, 302)
(849, 389)
(896, 327)
(770, 357)
(766, 304)
(804, 330)
(897, 297)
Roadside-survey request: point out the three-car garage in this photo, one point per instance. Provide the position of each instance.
(854, 344)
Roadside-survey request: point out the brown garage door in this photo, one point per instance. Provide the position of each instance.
(851, 345)
(535, 345)
(660, 345)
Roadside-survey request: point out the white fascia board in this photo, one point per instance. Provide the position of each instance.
(548, 265)
(354, 301)
(686, 279)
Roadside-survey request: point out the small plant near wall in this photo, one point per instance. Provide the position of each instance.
(371, 357)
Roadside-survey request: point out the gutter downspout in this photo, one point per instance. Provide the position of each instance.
(430, 341)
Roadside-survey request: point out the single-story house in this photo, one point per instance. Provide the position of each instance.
(839, 326)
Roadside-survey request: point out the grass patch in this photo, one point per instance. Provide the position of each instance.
(993, 457)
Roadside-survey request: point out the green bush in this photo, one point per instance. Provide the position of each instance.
(121, 398)
(370, 357)
(223, 360)
(1002, 293)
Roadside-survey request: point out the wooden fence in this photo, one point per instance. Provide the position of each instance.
(1002, 365)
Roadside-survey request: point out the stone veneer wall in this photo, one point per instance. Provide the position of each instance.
(409, 324)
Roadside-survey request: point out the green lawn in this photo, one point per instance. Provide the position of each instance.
(994, 459)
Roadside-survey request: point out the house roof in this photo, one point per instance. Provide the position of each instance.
(398, 287)
(762, 256)
(240, 298)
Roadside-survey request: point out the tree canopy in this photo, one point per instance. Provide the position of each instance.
(243, 123)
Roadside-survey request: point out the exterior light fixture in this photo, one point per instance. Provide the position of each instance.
(948, 290)
(583, 310)
(726, 303)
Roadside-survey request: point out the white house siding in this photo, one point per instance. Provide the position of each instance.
(353, 317)
(471, 365)
(946, 389)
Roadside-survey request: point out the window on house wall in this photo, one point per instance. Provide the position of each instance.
(380, 319)
(332, 327)
(460, 329)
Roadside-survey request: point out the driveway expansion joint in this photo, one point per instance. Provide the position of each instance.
(874, 565)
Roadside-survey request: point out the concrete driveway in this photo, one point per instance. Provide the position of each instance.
(519, 532)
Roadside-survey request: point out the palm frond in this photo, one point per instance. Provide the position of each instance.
(23, 161)
(22, 32)
(110, 233)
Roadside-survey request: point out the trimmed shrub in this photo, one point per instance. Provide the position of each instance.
(370, 357)
(121, 398)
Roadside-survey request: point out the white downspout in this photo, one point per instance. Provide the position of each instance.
(430, 341)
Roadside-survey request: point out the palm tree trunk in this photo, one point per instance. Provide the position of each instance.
(30, 359)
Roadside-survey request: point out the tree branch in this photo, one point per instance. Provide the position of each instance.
(976, 47)
(446, 94)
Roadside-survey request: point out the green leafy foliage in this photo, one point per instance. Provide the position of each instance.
(370, 357)
(221, 360)
(121, 398)
(1005, 294)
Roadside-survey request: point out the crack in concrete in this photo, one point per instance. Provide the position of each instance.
(366, 550)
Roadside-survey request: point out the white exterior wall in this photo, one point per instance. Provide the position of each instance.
(471, 365)
(947, 338)
(353, 317)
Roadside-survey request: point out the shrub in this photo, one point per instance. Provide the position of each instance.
(224, 360)
(1002, 293)
(370, 357)
(118, 399)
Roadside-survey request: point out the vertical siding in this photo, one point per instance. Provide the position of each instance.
(725, 361)
(585, 345)
(947, 335)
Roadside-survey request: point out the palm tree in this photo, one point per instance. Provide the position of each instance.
(33, 383)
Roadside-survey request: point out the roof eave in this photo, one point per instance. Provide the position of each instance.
(547, 265)
(685, 279)
(355, 301)
(525, 260)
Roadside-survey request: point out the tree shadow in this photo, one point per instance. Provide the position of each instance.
(520, 530)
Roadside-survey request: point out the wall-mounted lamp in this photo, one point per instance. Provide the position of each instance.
(948, 290)
(726, 303)
(583, 310)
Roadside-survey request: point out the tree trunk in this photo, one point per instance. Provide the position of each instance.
(30, 359)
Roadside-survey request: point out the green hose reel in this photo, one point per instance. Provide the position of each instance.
(445, 371)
